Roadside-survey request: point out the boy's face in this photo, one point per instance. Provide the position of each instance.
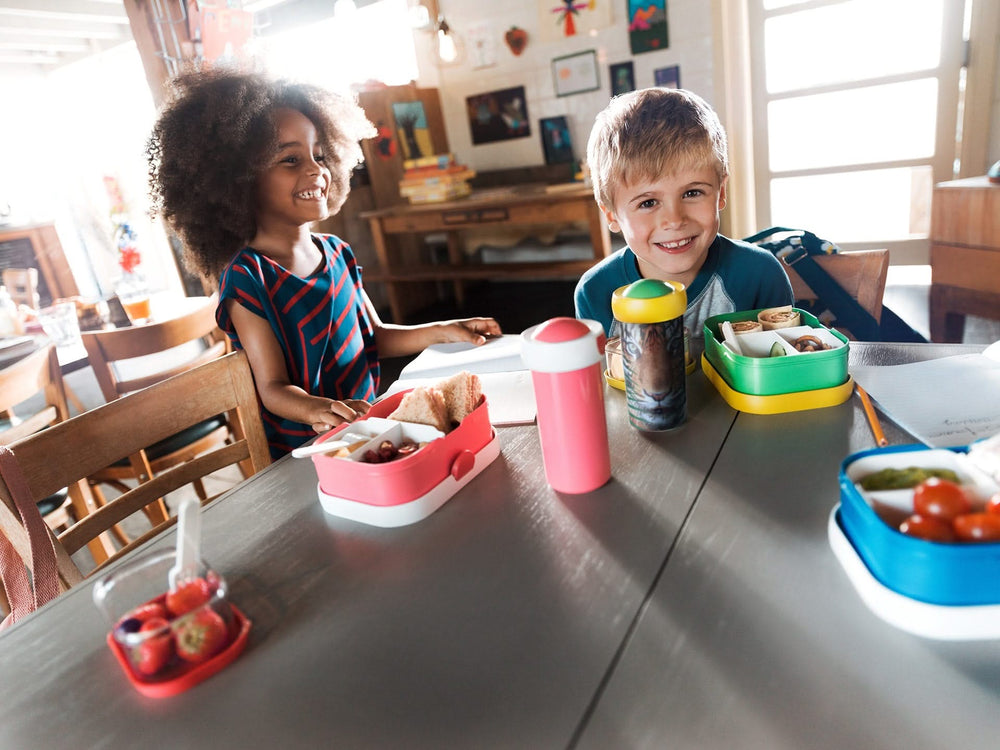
(670, 222)
(293, 189)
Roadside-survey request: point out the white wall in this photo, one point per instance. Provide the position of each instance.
(690, 46)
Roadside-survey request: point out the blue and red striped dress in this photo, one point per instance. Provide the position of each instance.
(320, 321)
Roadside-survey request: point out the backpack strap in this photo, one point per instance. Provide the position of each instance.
(25, 597)
(832, 296)
(848, 312)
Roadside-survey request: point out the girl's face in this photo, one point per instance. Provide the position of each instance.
(670, 222)
(293, 188)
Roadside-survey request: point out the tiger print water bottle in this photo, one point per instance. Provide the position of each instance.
(564, 356)
(651, 316)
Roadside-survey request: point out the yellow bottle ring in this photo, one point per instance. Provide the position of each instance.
(670, 304)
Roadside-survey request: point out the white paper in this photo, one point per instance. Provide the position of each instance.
(510, 395)
(502, 354)
(945, 402)
(505, 379)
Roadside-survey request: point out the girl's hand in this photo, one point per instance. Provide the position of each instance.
(337, 413)
(470, 330)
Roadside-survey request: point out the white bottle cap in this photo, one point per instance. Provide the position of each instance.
(562, 345)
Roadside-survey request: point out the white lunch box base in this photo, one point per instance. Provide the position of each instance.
(403, 514)
(943, 622)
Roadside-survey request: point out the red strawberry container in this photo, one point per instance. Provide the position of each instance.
(167, 642)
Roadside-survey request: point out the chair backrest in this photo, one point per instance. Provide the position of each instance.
(106, 350)
(37, 374)
(22, 285)
(74, 449)
(862, 274)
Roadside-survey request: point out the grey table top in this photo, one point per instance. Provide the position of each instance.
(691, 602)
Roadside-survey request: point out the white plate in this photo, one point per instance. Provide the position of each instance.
(939, 621)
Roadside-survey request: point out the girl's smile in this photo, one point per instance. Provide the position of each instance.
(670, 222)
(293, 190)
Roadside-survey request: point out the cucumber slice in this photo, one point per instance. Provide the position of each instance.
(777, 350)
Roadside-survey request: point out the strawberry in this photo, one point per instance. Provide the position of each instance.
(157, 647)
(200, 635)
(148, 611)
(188, 595)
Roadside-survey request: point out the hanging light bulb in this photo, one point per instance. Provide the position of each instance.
(447, 48)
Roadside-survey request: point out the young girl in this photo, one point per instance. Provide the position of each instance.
(241, 166)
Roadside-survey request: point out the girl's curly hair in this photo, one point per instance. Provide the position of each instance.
(215, 137)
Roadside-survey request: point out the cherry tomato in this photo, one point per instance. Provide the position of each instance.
(978, 527)
(993, 504)
(940, 498)
(928, 527)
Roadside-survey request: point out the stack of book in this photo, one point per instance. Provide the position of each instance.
(431, 179)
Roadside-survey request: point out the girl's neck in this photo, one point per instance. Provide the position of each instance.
(292, 249)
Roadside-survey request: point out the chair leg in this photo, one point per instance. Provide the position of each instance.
(116, 531)
(199, 490)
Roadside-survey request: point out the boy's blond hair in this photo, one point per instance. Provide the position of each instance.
(647, 133)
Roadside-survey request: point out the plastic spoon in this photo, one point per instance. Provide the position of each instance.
(330, 445)
(729, 336)
(188, 542)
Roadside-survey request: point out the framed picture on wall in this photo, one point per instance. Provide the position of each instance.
(411, 128)
(647, 24)
(622, 78)
(556, 140)
(574, 74)
(669, 77)
(498, 115)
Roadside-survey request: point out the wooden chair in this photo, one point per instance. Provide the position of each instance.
(32, 392)
(22, 285)
(75, 449)
(862, 274)
(166, 349)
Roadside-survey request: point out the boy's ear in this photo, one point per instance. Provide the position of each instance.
(722, 192)
(609, 214)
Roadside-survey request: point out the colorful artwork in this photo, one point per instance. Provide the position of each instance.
(556, 142)
(647, 25)
(411, 125)
(668, 77)
(561, 19)
(498, 115)
(622, 78)
(574, 74)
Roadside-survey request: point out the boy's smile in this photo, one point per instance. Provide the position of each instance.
(670, 222)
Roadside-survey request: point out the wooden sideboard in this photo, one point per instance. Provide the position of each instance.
(516, 205)
(965, 255)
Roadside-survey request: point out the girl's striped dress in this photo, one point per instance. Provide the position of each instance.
(320, 321)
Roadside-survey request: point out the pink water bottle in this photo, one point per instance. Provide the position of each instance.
(565, 357)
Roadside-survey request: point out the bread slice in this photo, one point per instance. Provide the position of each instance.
(462, 393)
(423, 406)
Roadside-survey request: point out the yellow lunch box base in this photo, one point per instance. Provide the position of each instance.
(779, 403)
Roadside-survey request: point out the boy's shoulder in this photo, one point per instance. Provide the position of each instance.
(740, 251)
(618, 263)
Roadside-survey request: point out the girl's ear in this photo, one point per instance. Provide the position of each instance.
(609, 214)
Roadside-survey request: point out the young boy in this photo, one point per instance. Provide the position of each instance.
(659, 165)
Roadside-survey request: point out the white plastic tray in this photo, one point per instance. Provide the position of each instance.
(406, 513)
(942, 622)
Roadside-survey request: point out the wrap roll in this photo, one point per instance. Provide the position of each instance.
(779, 317)
(747, 326)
